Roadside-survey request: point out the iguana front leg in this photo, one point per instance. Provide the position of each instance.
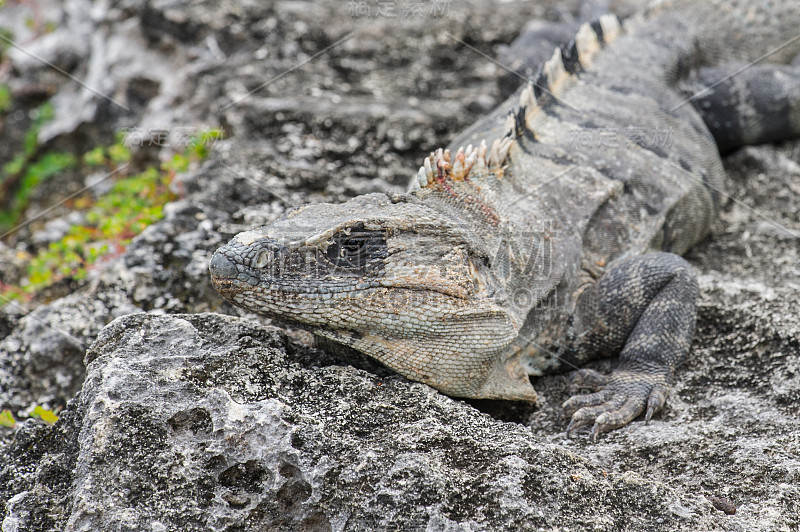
(645, 309)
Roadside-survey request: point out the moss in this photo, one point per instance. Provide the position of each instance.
(133, 202)
(25, 172)
(5, 98)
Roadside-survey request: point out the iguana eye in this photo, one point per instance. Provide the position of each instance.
(355, 247)
(262, 259)
(351, 252)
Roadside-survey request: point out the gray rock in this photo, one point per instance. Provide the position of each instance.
(41, 360)
(199, 422)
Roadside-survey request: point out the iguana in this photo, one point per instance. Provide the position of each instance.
(555, 236)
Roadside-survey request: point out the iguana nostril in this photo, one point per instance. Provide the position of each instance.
(222, 267)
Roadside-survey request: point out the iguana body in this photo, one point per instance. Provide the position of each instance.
(554, 237)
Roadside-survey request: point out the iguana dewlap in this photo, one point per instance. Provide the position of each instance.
(554, 236)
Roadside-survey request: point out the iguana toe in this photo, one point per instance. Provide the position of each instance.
(626, 395)
(658, 396)
(582, 401)
(596, 405)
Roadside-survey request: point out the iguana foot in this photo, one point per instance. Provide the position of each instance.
(645, 309)
(626, 394)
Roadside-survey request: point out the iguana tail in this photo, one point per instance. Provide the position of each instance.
(739, 80)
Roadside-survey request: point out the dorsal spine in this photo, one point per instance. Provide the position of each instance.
(534, 96)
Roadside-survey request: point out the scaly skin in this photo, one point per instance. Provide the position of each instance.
(554, 237)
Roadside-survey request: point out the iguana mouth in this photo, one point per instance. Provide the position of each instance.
(348, 257)
(308, 272)
(228, 275)
(351, 260)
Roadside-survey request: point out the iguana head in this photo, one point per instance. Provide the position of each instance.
(348, 253)
(388, 277)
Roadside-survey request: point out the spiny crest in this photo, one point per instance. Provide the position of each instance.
(440, 166)
(567, 60)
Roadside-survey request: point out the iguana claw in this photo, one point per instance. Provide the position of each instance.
(626, 395)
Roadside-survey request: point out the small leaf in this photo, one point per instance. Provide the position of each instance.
(45, 415)
(95, 157)
(7, 420)
(15, 165)
(5, 95)
(119, 153)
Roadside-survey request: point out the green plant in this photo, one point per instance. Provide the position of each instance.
(133, 203)
(5, 98)
(48, 416)
(45, 167)
(7, 420)
(29, 169)
(6, 38)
